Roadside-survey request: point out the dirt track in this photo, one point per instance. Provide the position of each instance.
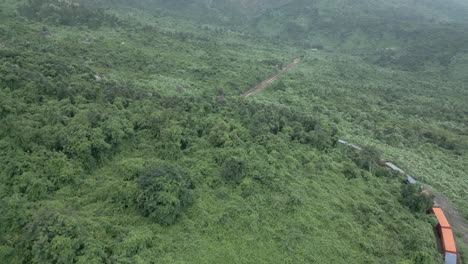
(271, 79)
(457, 221)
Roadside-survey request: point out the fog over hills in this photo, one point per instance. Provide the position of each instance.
(419, 35)
(232, 131)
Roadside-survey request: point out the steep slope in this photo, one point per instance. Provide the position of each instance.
(387, 34)
(417, 10)
(123, 142)
(427, 36)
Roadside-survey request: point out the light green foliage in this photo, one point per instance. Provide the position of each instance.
(131, 169)
(133, 244)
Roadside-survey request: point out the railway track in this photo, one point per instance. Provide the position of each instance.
(444, 234)
(459, 223)
(453, 215)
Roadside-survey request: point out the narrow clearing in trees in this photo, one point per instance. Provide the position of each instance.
(271, 79)
(457, 221)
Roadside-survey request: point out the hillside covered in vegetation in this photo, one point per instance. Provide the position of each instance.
(419, 35)
(124, 138)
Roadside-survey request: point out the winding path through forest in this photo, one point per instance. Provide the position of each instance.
(271, 79)
(456, 220)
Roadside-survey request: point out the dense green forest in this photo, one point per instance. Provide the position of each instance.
(406, 35)
(124, 139)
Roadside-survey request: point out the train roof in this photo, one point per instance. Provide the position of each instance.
(448, 240)
(441, 218)
(410, 179)
(450, 258)
(393, 167)
(355, 147)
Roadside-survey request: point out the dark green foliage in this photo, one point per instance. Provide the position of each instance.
(55, 237)
(350, 171)
(279, 86)
(383, 172)
(421, 257)
(15, 213)
(413, 198)
(163, 192)
(233, 170)
(67, 13)
(367, 158)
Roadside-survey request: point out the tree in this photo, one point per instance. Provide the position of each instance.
(414, 199)
(367, 157)
(383, 172)
(233, 170)
(350, 171)
(164, 191)
(58, 237)
(130, 168)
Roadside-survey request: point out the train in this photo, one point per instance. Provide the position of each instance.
(444, 230)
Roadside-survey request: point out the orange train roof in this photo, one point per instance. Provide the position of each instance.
(448, 240)
(441, 217)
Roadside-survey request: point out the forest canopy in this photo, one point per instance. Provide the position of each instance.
(124, 137)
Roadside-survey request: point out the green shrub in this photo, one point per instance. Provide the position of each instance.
(233, 170)
(367, 158)
(350, 171)
(58, 237)
(415, 200)
(382, 172)
(131, 169)
(163, 192)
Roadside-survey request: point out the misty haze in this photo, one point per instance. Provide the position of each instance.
(234, 131)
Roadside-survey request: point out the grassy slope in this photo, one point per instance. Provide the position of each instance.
(368, 118)
(416, 36)
(372, 100)
(395, 103)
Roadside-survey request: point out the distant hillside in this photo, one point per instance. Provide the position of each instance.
(448, 11)
(419, 35)
(409, 37)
